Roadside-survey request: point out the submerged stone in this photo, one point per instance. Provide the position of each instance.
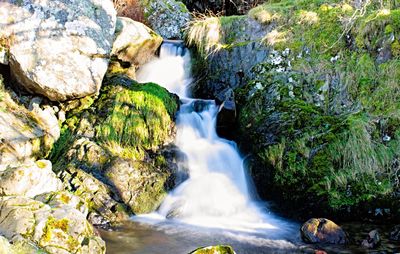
(372, 241)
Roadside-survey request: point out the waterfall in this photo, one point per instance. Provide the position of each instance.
(216, 194)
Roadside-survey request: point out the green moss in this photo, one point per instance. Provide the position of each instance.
(396, 48)
(219, 249)
(137, 118)
(151, 197)
(66, 139)
(370, 30)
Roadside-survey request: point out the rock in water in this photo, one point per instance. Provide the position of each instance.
(219, 249)
(59, 48)
(395, 234)
(135, 43)
(322, 231)
(167, 17)
(372, 241)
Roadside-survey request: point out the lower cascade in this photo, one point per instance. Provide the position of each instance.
(217, 192)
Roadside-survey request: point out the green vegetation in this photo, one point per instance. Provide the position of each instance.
(138, 118)
(330, 121)
(209, 34)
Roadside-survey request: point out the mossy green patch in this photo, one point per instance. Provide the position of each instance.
(138, 117)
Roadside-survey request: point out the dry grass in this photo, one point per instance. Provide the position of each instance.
(204, 32)
(131, 9)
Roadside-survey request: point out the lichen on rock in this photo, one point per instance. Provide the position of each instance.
(59, 49)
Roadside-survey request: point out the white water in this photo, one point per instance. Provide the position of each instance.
(217, 192)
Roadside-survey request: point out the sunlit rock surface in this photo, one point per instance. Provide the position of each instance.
(56, 230)
(167, 17)
(322, 231)
(29, 180)
(59, 49)
(135, 42)
(25, 135)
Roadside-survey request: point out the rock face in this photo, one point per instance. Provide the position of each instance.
(167, 17)
(232, 67)
(29, 180)
(141, 186)
(24, 134)
(219, 249)
(134, 43)
(60, 230)
(300, 104)
(59, 49)
(322, 231)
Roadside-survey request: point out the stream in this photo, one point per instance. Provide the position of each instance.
(216, 204)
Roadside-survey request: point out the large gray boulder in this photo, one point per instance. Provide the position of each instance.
(59, 48)
(167, 17)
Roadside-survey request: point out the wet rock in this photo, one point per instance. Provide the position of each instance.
(322, 231)
(167, 17)
(60, 49)
(395, 234)
(140, 185)
(373, 240)
(226, 118)
(219, 249)
(200, 105)
(29, 180)
(134, 43)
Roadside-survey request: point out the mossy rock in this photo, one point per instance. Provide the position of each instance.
(118, 167)
(322, 231)
(136, 117)
(219, 249)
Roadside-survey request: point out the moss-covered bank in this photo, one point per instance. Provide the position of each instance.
(116, 153)
(320, 112)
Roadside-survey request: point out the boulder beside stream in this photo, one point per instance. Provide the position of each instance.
(322, 231)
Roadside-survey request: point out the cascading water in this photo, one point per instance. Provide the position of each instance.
(217, 192)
